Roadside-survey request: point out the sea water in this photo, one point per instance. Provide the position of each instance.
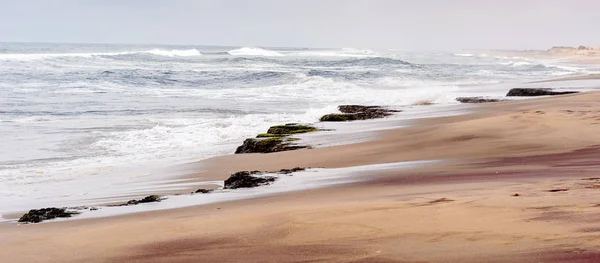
(95, 115)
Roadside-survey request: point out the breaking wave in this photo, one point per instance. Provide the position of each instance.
(374, 61)
(254, 51)
(42, 56)
(174, 52)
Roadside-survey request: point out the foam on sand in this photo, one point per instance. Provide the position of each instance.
(308, 179)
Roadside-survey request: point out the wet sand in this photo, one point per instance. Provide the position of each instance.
(520, 183)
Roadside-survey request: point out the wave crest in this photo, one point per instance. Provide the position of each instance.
(42, 56)
(374, 61)
(175, 52)
(254, 51)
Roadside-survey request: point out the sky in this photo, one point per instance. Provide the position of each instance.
(395, 24)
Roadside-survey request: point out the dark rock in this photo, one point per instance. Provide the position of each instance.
(246, 179)
(339, 117)
(356, 108)
(476, 100)
(516, 194)
(358, 112)
(269, 135)
(276, 139)
(203, 191)
(147, 199)
(558, 190)
(39, 215)
(150, 199)
(529, 92)
(289, 171)
(267, 145)
(290, 128)
(441, 200)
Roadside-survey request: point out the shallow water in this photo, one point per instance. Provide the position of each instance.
(72, 114)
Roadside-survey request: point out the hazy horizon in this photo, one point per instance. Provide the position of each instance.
(382, 24)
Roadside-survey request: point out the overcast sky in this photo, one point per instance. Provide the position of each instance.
(399, 24)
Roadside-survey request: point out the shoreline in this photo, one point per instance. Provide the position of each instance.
(218, 168)
(545, 150)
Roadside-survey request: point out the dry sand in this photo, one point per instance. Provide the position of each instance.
(581, 55)
(545, 150)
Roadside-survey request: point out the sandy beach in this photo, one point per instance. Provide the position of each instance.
(517, 181)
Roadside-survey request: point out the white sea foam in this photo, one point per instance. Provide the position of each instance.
(349, 50)
(94, 115)
(344, 52)
(175, 52)
(254, 51)
(42, 56)
(517, 63)
(309, 179)
(166, 142)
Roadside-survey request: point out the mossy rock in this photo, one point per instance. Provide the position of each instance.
(267, 145)
(338, 117)
(357, 108)
(39, 215)
(358, 112)
(290, 128)
(270, 135)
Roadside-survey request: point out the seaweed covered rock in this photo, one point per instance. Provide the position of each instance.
(267, 145)
(270, 135)
(276, 139)
(39, 215)
(247, 179)
(356, 108)
(476, 100)
(530, 92)
(358, 112)
(290, 128)
(339, 117)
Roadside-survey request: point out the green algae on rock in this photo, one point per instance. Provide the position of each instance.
(39, 215)
(268, 145)
(291, 128)
(357, 112)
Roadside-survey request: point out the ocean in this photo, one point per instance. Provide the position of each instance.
(76, 112)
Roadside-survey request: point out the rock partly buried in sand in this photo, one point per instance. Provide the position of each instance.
(358, 112)
(147, 199)
(528, 92)
(289, 171)
(441, 200)
(203, 191)
(268, 145)
(246, 179)
(39, 215)
(476, 100)
(558, 190)
(290, 128)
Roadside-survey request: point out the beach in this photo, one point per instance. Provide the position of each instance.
(512, 181)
